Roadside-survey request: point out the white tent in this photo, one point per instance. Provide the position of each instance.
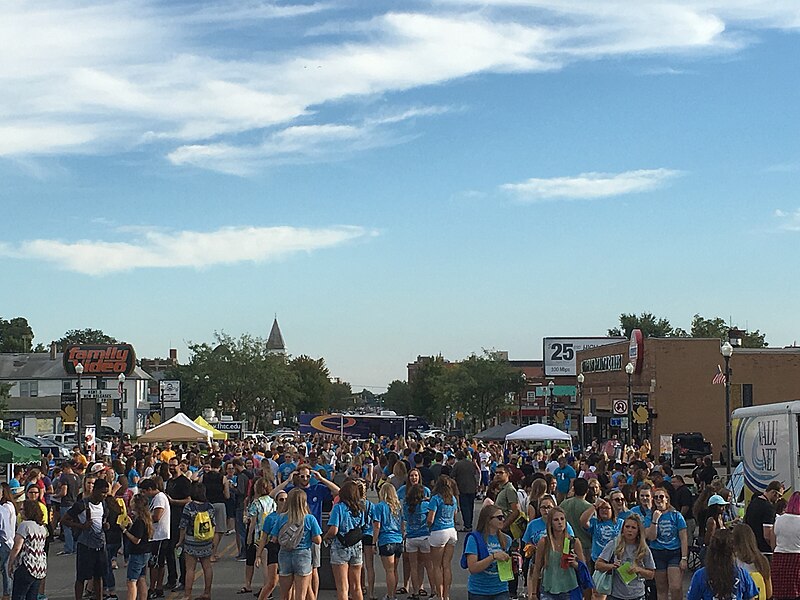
(179, 428)
(539, 432)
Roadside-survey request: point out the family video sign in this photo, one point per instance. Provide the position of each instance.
(106, 359)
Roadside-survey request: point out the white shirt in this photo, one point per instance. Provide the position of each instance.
(160, 528)
(552, 466)
(486, 458)
(787, 533)
(8, 524)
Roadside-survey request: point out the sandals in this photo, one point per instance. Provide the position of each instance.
(422, 592)
(243, 590)
(402, 591)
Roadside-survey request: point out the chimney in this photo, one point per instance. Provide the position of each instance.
(173, 356)
(52, 350)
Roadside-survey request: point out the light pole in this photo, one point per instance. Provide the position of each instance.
(629, 368)
(581, 379)
(550, 387)
(79, 418)
(121, 379)
(523, 382)
(727, 351)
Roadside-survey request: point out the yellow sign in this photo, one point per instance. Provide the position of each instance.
(460, 416)
(560, 417)
(641, 415)
(69, 414)
(155, 418)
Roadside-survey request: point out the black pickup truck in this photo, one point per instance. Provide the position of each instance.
(686, 447)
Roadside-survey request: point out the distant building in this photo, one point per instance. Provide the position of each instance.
(275, 343)
(39, 382)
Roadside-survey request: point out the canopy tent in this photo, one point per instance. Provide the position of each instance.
(498, 432)
(215, 433)
(179, 428)
(14, 453)
(539, 432)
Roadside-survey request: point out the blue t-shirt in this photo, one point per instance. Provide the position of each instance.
(133, 474)
(537, 529)
(269, 522)
(390, 531)
(669, 524)
(602, 532)
(286, 469)
(315, 496)
(310, 529)
(444, 514)
(401, 493)
(744, 587)
(563, 477)
(487, 582)
(344, 520)
(416, 522)
(370, 517)
(646, 518)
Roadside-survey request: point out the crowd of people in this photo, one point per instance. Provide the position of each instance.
(551, 524)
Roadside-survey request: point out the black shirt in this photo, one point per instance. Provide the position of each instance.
(683, 498)
(215, 488)
(139, 531)
(760, 512)
(177, 489)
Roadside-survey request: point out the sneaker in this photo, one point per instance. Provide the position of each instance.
(170, 584)
(63, 553)
(179, 588)
(241, 558)
(110, 597)
(41, 597)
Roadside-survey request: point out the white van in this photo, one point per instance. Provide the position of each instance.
(767, 442)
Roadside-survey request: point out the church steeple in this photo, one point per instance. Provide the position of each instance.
(275, 343)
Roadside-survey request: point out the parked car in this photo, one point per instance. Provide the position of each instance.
(46, 446)
(432, 433)
(686, 447)
(65, 439)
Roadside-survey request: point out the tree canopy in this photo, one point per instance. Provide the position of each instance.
(16, 335)
(83, 336)
(652, 326)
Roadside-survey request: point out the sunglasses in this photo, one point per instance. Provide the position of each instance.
(499, 517)
(660, 497)
(281, 499)
(618, 499)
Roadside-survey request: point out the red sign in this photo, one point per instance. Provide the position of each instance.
(110, 359)
(636, 350)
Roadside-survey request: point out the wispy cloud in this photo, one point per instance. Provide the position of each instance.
(184, 78)
(787, 167)
(589, 185)
(159, 248)
(788, 221)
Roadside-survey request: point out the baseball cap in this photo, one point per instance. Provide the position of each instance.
(716, 499)
(98, 468)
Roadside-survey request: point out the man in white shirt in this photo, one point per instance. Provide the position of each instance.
(159, 507)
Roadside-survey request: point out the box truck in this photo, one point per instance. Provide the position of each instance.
(767, 442)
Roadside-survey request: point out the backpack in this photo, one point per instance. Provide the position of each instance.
(290, 535)
(203, 527)
(483, 549)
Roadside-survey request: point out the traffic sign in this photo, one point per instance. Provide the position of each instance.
(620, 407)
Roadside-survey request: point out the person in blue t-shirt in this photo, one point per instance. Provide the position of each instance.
(418, 546)
(722, 577)
(564, 475)
(484, 548)
(599, 521)
(387, 517)
(669, 544)
(265, 541)
(348, 515)
(287, 467)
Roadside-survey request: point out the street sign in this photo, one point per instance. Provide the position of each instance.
(620, 407)
(229, 426)
(623, 422)
(170, 393)
(590, 419)
(615, 421)
(560, 353)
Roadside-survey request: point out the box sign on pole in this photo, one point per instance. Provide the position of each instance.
(100, 359)
(170, 392)
(560, 353)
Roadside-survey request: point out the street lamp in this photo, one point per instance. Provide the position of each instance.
(727, 352)
(581, 379)
(121, 379)
(629, 368)
(79, 419)
(550, 387)
(523, 382)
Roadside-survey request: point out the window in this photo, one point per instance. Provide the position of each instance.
(101, 383)
(747, 394)
(531, 396)
(66, 385)
(28, 389)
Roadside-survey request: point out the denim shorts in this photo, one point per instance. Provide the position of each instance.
(666, 558)
(137, 566)
(91, 563)
(346, 555)
(294, 562)
(561, 596)
(500, 596)
(395, 550)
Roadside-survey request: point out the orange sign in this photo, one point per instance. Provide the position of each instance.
(110, 359)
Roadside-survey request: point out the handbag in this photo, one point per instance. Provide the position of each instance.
(603, 582)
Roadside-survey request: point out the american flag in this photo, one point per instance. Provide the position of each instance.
(719, 377)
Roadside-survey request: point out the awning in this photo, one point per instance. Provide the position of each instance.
(498, 432)
(539, 432)
(215, 433)
(14, 453)
(179, 428)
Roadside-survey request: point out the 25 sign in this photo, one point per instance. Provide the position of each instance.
(560, 354)
(562, 351)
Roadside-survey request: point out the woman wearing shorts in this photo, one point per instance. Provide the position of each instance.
(412, 478)
(348, 515)
(257, 511)
(368, 546)
(138, 534)
(271, 566)
(418, 547)
(441, 519)
(387, 523)
(197, 549)
(669, 544)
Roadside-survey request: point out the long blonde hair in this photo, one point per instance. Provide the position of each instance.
(140, 506)
(641, 544)
(388, 494)
(551, 535)
(297, 506)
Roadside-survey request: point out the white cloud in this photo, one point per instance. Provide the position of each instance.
(102, 77)
(159, 248)
(789, 221)
(590, 185)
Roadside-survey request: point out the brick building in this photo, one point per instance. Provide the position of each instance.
(672, 387)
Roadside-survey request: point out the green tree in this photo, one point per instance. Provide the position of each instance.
(398, 397)
(341, 397)
(314, 383)
(718, 328)
(83, 336)
(16, 335)
(426, 399)
(650, 325)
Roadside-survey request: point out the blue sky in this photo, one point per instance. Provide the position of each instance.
(395, 179)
